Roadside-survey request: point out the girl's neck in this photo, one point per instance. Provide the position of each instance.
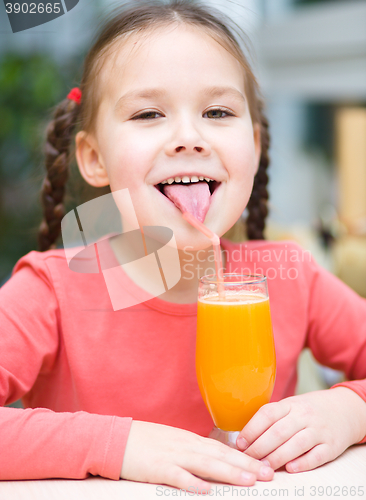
(193, 265)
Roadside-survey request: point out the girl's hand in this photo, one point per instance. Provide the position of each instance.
(313, 428)
(160, 454)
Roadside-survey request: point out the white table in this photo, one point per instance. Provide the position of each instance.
(336, 478)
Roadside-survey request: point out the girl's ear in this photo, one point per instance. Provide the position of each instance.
(257, 144)
(89, 160)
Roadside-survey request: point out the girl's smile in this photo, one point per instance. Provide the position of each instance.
(159, 130)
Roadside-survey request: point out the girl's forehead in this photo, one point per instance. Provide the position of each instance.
(162, 51)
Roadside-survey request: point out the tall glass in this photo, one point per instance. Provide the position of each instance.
(235, 353)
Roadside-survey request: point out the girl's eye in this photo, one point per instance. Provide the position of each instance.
(218, 113)
(147, 115)
(215, 113)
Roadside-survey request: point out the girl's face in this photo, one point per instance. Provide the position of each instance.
(173, 105)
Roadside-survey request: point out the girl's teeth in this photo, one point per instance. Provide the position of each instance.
(185, 179)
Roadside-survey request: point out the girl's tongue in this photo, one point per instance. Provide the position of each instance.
(193, 198)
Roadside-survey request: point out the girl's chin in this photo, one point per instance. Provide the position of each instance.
(191, 240)
(191, 248)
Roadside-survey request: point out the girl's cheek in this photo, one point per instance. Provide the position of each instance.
(245, 163)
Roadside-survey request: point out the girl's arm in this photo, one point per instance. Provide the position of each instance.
(40, 443)
(308, 430)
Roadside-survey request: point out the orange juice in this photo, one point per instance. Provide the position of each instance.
(235, 357)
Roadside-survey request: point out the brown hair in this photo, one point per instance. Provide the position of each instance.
(145, 16)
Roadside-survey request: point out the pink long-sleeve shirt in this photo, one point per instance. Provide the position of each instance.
(84, 371)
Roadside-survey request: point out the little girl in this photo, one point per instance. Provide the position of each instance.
(167, 98)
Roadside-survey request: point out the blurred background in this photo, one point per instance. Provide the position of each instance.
(310, 59)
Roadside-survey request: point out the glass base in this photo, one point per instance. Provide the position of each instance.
(226, 437)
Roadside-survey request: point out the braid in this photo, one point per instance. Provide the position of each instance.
(257, 205)
(59, 134)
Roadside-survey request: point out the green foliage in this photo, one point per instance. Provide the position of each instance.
(30, 85)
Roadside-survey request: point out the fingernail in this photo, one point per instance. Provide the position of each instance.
(241, 443)
(294, 466)
(265, 471)
(247, 476)
(265, 462)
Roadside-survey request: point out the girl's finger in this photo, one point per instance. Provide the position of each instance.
(182, 479)
(280, 432)
(317, 456)
(218, 470)
(266, 416)
(244, 461)
(299, 444)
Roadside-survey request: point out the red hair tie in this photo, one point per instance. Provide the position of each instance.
(75, 95)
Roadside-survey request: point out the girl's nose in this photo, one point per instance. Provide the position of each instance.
(187, 140)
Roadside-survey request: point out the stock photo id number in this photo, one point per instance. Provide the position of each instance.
(28, 14)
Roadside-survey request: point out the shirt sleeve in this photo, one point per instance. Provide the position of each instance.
(40, 443)
(337, 328)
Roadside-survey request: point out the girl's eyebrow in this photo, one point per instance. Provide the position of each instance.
(156, 93)
(224, 91)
